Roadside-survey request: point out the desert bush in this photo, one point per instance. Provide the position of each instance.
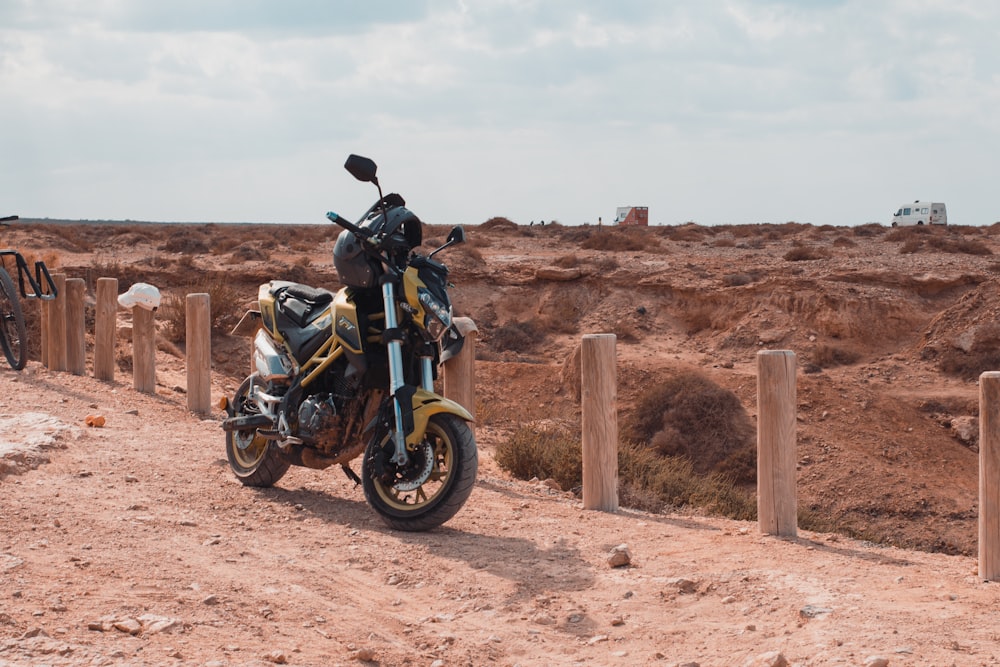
(618, 240)
(868, 230)
(968, 365)
(515, 337)
(225, 309)
(248, 252)
(960, 246)
(738, 279)
(545, 453)
(186, 244)
(805, 253)
(724, 242)
(566, 261)
(647, 480)
(828, 356)
(911, 246)
(499, 222)
(690, 416)
(902, 234)
(844, 242)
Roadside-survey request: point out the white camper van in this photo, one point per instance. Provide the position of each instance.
(920, 213)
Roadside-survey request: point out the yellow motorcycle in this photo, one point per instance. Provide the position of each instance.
(348, 374)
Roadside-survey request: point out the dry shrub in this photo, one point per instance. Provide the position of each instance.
(515, 337)
(567, 262)
(828, 356)
(911, 246)
(187, 244)
(647, 480)
(844, 242)
(724, 242)
(869, 230)
(618, 240)
(902, 234)
(738, 279)
(960, 246)
(499, 222)
(248, 252)
(545, 453)
(805, 254)
(692, 417)
(225, 307)
(968, 365)
(626, 331)
(691, 233)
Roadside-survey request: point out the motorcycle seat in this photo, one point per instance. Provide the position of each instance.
(301, 303)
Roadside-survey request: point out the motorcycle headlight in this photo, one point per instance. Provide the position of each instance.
(438, 317)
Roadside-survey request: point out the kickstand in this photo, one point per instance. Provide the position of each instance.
(351, 475)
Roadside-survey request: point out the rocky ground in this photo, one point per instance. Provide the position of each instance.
(132, 543)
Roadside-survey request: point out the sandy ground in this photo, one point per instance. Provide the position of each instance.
(132, 544)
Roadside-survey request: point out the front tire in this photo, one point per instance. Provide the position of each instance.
(254, 460)
(13, 338)
(436, 484)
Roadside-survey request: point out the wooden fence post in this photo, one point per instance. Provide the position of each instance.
(57, 325)
(45, 312)
(777, 512)
(460, 371)
(105, 328)
(198, 341)
(76, 346)
(599, 402)
(989, 476)
(143, 350)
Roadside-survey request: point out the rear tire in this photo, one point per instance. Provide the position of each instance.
(436, 485)
(13, 337)
(254, 460)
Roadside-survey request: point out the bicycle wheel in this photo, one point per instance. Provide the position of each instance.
(13, 337)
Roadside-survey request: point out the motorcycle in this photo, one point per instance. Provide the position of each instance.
(338, 375)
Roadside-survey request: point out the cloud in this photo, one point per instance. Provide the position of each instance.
(572, 107)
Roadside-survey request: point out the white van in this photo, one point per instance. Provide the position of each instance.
(921, 213)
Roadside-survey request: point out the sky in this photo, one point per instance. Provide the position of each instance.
(709, 111)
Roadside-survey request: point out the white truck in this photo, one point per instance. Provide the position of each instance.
(920, 213)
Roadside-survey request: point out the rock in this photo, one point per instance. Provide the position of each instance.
(557, 274)
(364, 654)
(620, 556)
(876, 661)
(769, 659)
(812, 611)
(210, 600)
(771, 336)
(96, 421)
(966, 429)
(684, 586)
(129, 626)
(277, 657)
(570, 373)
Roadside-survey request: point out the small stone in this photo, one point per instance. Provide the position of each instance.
(620, 556)
(770, 659)
(617, 620)
(364, 654)
(684, 586)
(597, 639)
(277, 657)
(813, 611)
(129, 626)
(876, 661)
(210, 600)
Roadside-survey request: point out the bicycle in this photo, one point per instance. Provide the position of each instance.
(13, 333)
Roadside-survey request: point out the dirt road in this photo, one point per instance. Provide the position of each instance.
(132, 544)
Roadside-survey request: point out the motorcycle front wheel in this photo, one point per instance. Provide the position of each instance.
(254, 460)
(435, 484)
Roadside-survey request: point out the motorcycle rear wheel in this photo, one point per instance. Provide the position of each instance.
(254, 460)
(438, 483)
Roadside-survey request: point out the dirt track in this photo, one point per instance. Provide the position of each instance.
(132, 544)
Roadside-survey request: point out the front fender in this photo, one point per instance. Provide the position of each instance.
(425, 405)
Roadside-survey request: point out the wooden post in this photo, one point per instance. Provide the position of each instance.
(143, 350)
(460, 371)
(57, 325)
(198, 337)
(989, 476)
(76, 346)
(105, 328)
(599, 401)
(776, 495)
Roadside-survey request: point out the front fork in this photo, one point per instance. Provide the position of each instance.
(396, 379)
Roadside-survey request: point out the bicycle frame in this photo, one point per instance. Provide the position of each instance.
(41, 280)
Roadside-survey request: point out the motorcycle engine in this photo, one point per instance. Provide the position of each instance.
(318, 420)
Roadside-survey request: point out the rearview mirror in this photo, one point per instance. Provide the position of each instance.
(456, 235)
(361, 168)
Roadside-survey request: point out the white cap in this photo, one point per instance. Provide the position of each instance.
(142, 295)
